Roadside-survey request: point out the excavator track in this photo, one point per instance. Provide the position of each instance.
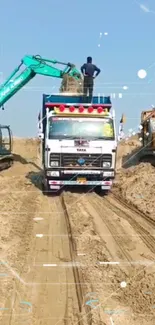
(5, 163)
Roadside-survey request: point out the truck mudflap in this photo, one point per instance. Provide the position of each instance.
(105, 185)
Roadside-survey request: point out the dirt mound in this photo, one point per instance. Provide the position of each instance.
(27, 148)
(137, 186)
(136, 183)
(126, 152)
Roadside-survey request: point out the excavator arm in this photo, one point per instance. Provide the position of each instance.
(34, 65)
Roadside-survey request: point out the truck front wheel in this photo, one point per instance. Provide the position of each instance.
(101, 192)
(45, 189)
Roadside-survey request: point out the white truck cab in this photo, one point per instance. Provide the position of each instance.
(78, 142)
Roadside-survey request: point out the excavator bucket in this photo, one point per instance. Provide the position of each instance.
(6, 156)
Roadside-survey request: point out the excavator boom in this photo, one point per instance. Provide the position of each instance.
(34, 65)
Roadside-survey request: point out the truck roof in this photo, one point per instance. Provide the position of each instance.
(75, 99)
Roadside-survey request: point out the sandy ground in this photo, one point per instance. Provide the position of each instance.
(86, 248)
(136, 184)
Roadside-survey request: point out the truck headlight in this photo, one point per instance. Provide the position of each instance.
(108, 174)
(106, 164)
(54, 163)
(53, 173)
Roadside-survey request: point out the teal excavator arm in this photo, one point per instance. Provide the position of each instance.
(34, 65)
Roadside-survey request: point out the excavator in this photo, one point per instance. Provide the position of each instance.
(34, 65)
(147, 136)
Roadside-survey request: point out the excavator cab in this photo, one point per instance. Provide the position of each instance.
(147, 153)
(6, 156)
(148, 130)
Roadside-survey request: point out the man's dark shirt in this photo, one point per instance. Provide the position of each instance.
(89, 69)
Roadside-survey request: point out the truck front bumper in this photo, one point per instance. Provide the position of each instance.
(105, 185)
(73, 178)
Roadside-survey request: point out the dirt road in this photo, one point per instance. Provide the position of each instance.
(119, 248)
(37, 280)
(75, 259)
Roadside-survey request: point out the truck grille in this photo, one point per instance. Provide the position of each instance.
(91, 160)
(107, 157)
(55, 157)
(71, 159)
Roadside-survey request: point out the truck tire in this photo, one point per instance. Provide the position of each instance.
(48, 192)
(101, 192)
(45, 190)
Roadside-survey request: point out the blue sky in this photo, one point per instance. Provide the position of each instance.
(70, 31)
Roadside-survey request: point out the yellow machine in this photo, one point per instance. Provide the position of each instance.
(147, 154)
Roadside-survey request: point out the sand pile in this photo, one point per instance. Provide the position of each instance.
(137, 183)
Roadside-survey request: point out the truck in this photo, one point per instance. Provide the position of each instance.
(34, 65)
(147, 135)
(78, 142)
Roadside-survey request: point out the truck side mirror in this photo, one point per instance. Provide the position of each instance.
(120, 132)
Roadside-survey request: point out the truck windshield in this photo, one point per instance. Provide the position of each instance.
(72, 128)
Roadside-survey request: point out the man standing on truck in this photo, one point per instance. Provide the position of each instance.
(88, 69)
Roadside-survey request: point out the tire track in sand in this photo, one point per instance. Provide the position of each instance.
(127, 228)
(51, 291)
(143, 224)
(119, 241)
(133, 240)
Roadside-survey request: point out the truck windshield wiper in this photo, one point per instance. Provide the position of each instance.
(101, 138)
(69, 137)
(64, 137)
